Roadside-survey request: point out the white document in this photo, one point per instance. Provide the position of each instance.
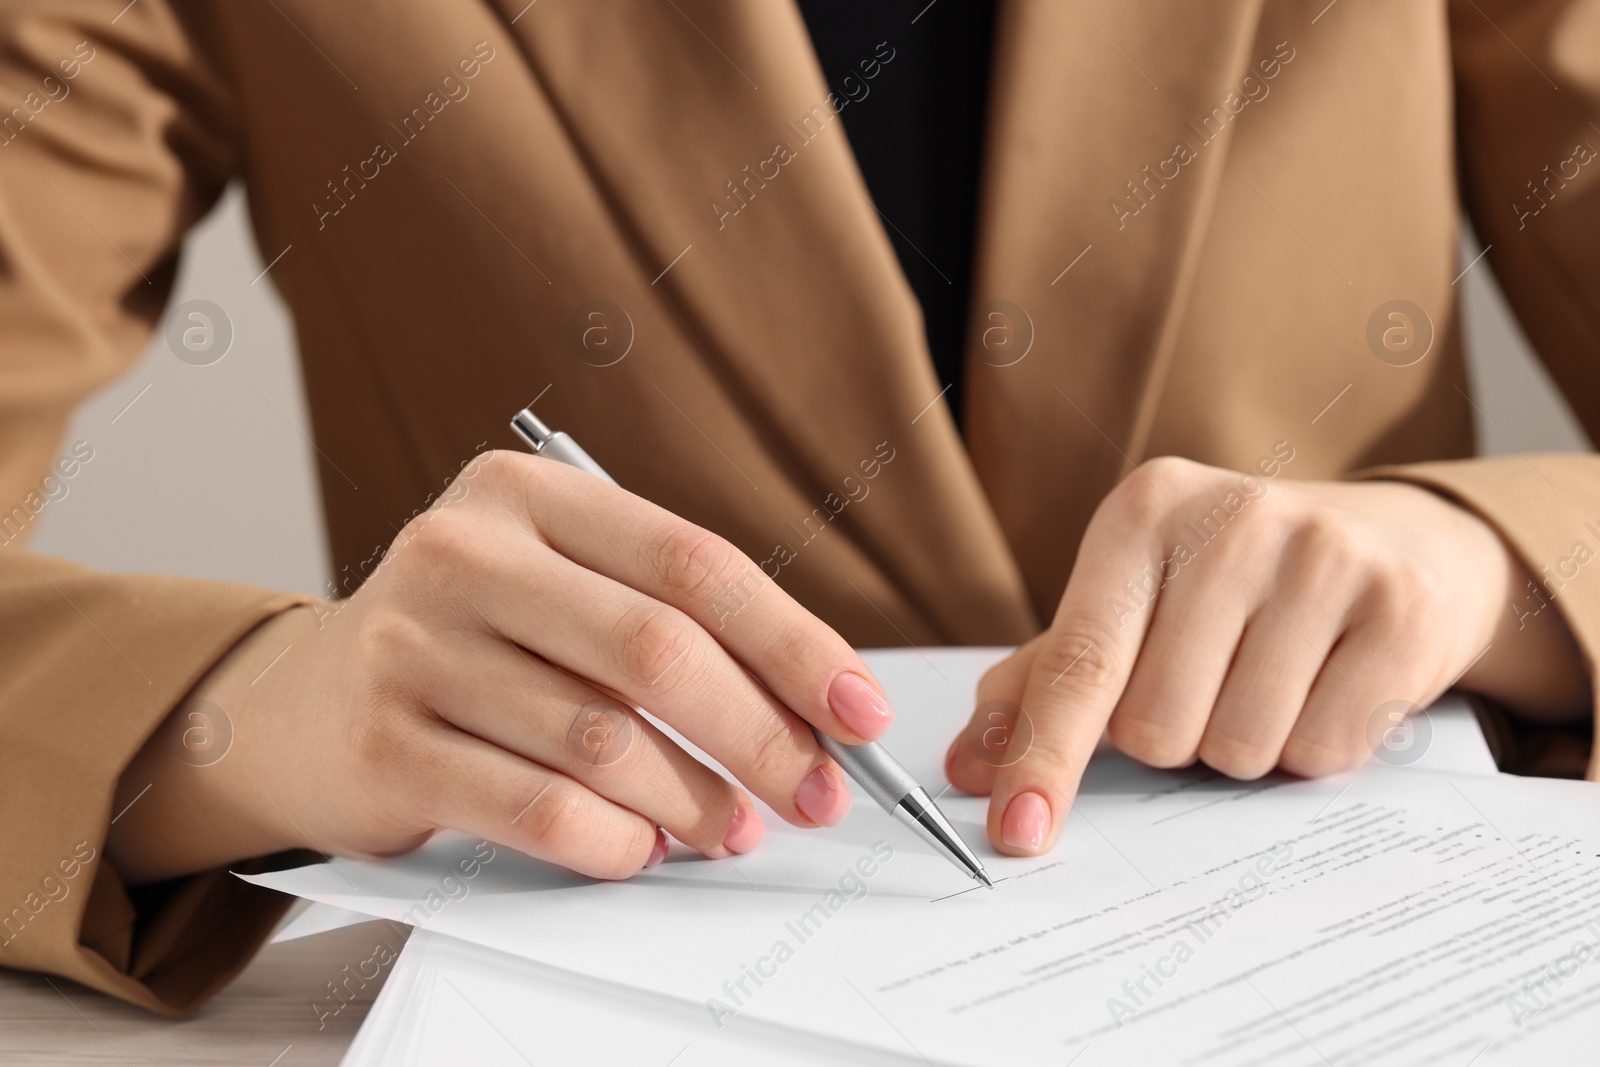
(934, 687)
(451, 1002)
(1418, 915)
(1384, 917)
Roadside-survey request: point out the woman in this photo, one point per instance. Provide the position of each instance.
(916, 367)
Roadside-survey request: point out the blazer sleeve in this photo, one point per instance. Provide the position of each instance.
(1527, 77)
(113, 140)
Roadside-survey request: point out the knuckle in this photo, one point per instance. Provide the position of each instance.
(1145, 496)
(1387, 603)
(442, 541)
(387, 636)
(1241, 758)
(601, 735)
(1313, 559)
(691, 562)
(1319, 755)
(628, 857)
(489, 471)
(1135, 502)
(1328, 552)
(1320, 537)
(648, 639)
(713, 806)
(1082, 654)
(1044, 765)
(486, 465)
(531, 472)
(562, 826)
(484, 469)
(532, 481)
(552, 821)
(1170, 472)
(1404, 598)
(773, 752)
(1150, 741)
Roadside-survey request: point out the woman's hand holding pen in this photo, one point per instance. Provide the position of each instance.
(1209, 619)
(483, 680)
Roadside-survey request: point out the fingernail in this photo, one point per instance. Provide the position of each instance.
(822, 797)
(659, 852)
(1027, 822)
(745, 831)
(860, 706)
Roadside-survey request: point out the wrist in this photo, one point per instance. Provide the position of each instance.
(190, 799)
(1533, 664)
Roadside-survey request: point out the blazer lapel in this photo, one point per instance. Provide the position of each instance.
(1086, 250)
(770, 308)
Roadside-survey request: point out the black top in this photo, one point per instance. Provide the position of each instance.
(916, 127)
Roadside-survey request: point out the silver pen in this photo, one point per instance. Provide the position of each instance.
(885, 780)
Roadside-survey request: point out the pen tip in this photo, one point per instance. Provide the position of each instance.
(983, 876)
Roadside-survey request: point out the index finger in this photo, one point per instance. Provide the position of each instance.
(805, 664)
(1082, 667)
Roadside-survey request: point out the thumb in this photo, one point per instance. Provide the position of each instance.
(999, 732)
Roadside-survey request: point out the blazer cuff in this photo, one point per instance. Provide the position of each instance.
(90, 666)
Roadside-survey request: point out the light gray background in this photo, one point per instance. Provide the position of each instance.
(209, 471)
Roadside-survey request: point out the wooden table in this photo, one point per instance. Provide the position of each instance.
(266, 1017)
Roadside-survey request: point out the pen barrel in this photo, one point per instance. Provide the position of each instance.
(563, 449)
(885, 781)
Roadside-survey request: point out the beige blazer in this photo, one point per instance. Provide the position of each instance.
(1196, 220)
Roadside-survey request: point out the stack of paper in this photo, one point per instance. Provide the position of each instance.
(1432, 914)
